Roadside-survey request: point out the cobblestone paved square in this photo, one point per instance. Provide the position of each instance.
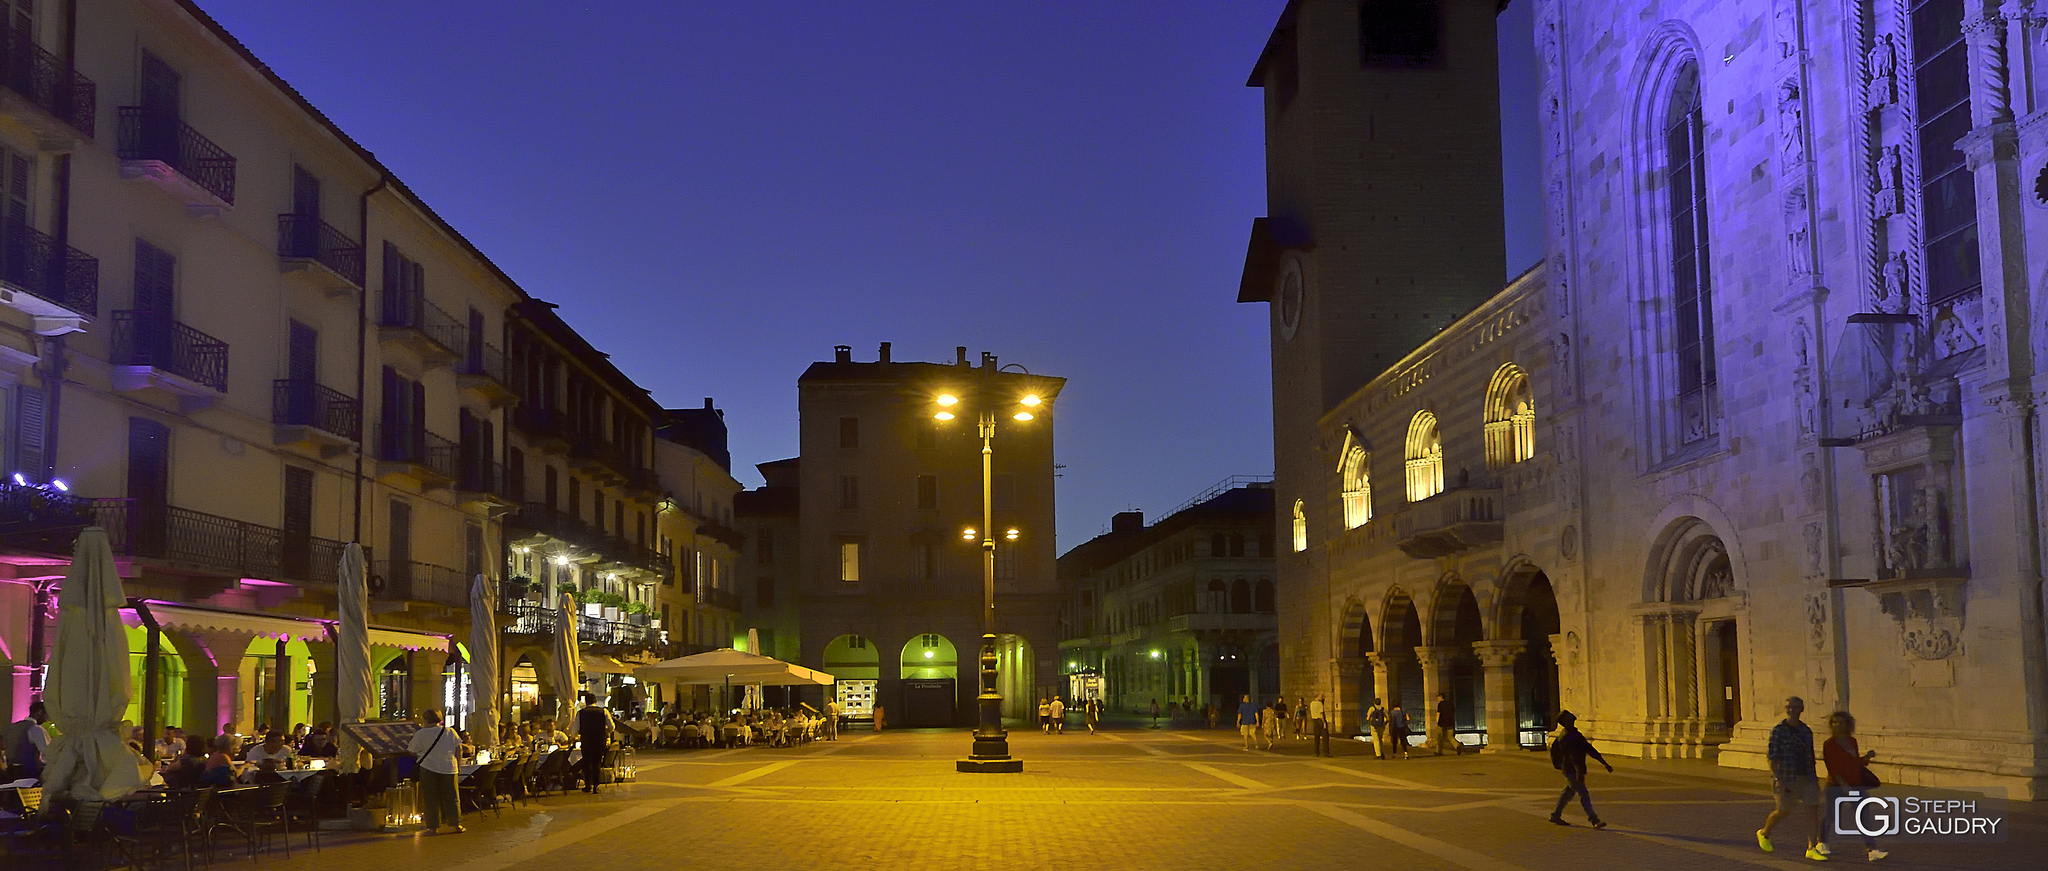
(1140, 799)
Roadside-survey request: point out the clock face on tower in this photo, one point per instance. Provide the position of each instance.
(1289, 299)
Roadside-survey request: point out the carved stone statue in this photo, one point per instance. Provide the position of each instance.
(1801, 353)
(1882, 68)
(1889, 190)
(1791, 125)
(1891, 287)
(1799, 250)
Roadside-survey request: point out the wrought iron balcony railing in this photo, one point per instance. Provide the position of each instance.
(33, 261)
(726, 599)
(47, 81)
(528, 617)
(413, 312)
(477, 473)
(484, 360)
(539, 423)
(164, 137)
(426, 450)
(418, 582)
(308, 237)
(155, 339)
(304, 402)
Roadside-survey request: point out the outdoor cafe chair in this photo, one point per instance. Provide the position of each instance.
(553, 774)
(512, 780)
(302, 803)
(20, 814)
(253, 812)
(479, 791)
(153, 830)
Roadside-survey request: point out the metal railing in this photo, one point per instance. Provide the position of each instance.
(478, 473)
(562, 526)
(538, 422)
(312, 558)
(155, 339)
(426, 450)
(305, 402)
(528, 617)
(46, 80)
(33, 261)
(419, 582)
(483, 359)
(412, 311)
(163, 136)
(726, 599)
(306, 236)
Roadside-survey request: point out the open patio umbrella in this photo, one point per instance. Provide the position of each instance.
(736, 666)
(88, 687)
(355, 690)
(483, 662)
(568, 665)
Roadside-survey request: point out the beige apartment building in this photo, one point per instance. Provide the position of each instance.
(862, 538)
(239, 342)
(1178, 612)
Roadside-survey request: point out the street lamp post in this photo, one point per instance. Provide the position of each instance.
(991, 752)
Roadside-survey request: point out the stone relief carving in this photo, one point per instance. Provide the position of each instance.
(1891, 287)
(1809, 480)
(1571, 648)
(1990, 101)
(1815, 559)
(1786, 20)
(1930, 620)
(1914, 522)
(1881, 70)
(1568, 542)
(1791, 125)
(1817, 621)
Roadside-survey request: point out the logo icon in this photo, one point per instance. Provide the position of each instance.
(1867, 815)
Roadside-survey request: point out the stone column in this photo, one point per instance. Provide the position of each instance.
(1344, 706)
(1436, 678)
(321, 655)
(220, 669)
(1386, 667)
(1565, 698)
(1502, 722)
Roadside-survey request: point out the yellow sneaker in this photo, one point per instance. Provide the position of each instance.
(1763, 841)
(1816, 855)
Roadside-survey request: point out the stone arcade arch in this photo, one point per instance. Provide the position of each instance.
(1450, 663)
(1396, 670)
(1356, 679)
(928, 671)
(857, 667)
(1528, 628)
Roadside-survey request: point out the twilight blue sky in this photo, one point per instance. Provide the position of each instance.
(718, 193)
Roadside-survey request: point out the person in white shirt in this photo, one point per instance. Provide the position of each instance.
(435, 746)
(831, 721)
(272, 754)
(171, 745)
(1058, 710)
(1320, 725)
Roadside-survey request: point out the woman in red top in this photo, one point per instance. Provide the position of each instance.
(1847, 767)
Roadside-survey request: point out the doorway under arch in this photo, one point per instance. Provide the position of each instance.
(1401, 633)
(929, 656)
(1455, 625)
(1529, 613)
(853, 661)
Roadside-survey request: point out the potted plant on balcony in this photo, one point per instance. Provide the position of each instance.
(517, 587)
(638, 613)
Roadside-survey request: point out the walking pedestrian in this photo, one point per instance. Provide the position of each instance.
(1044, 716)
(878, 717)
(1091, 710)
(1301, 718)
(1209, 711)
(1397, 731)
(1155, 713)
(1269, 724)
(1793, 782)
(1568, 755)
(831, 721)
(1318, 720)
(1248, 720)
(1059, 716)
(1848, 772)
(1446, 725)
(594, 727)
(1376, 722)
(434, 745)
(1285, 714)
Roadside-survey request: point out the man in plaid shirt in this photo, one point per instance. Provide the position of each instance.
(1793, 782)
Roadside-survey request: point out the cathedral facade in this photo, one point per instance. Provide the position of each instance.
(1762, 423)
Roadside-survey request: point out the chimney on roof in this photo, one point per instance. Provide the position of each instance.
(988, 361)
(707, 402)
(961, 353)
(1127, 521)
(885, 353)
(842, 353)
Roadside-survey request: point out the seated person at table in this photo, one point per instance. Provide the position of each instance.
(182, 771)
(466, 747)
(219, 770)
(320, 742)
(551, 735)
(171, 745)
(272, 754)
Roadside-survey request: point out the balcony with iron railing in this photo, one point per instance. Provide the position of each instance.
(162, 148)
(726, 599)
(1450, 522)
(307, 244)
(408, 320)
(62, 283)
(153, 349)
(535, 520)
(544, 428)
(38, 80)
(413, 581)
(413, 452)
(306, 411)
(482, 372)
(480, 480)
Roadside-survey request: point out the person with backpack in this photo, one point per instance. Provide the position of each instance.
(1376, 720)
(1568, 755)
(1397, 731)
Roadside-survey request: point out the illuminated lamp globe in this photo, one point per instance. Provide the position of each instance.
(948, 400)
(1023, 415)
(1030, 400)
(943, 415)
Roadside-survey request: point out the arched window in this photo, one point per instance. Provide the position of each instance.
(1300, 528)
(1425, 458)
(1240, 597)
(1216, 544)
(1262, 596)
(1685, 175)
(1219, 598)
(1510, 417)
(1357, 488)
(1948, 189)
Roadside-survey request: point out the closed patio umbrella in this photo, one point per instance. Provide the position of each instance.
(483, 662)
(568, 664)
(88, 686)
(355, 690)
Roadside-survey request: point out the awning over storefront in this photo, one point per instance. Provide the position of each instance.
(171, 616)
(210, 619)
(597, 663)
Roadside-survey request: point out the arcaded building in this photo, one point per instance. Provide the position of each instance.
(1760, 424)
